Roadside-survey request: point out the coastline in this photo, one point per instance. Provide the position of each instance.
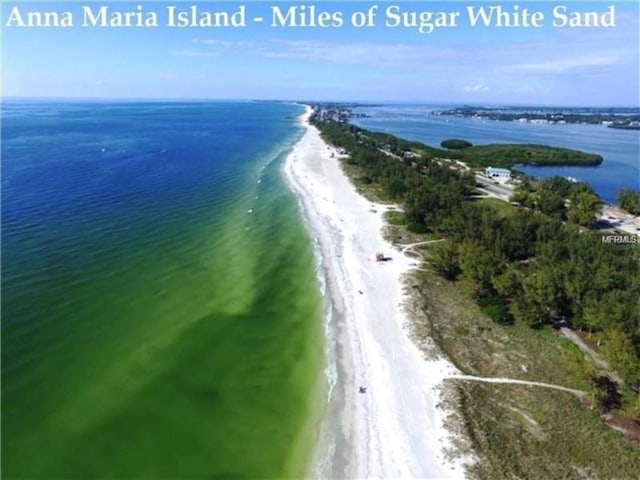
(395, 428)
(617, 147)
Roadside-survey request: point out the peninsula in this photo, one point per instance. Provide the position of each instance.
(514, 297)
(496, 155)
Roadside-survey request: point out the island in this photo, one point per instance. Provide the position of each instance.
(621, 118)
(510, 155)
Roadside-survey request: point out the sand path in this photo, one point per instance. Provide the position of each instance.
(579, 393)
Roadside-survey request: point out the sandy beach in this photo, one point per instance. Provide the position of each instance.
(394, 429)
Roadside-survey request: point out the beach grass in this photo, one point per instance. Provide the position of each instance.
(500, 207)
(371, 190)
(517, 431)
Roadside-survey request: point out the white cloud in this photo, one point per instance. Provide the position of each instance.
(411, 56)
(435, 64)
(478, 88)
(566, 64)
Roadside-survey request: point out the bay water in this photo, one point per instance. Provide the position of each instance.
(620, 149)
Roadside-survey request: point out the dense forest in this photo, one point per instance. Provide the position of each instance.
(629, 201)
(561, 199)
(537, 264)
(455, 144)
(507, 155)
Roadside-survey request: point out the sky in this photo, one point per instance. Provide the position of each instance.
(590, 66)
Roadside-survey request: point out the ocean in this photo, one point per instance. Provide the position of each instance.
(620, 149)
(161, 311)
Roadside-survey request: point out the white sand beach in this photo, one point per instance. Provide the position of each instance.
(395, 429)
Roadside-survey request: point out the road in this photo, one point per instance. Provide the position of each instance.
(620, 220)
(499, 191)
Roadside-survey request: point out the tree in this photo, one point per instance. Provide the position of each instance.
(605, 393)
(618, 349)
(462, 222)
(542, 297)
(445, 260)
(615, 309)
(629, 200)
(520, 235)
(480, 265)
(396, 186)
(557, 185)
(583, 209)
(578, 282)
(551, 204)
(455, 144)
(525, 196)
(508, 283)
(551, 231)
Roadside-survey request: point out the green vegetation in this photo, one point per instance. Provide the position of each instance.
(455, 144)
(516, 431)
(445, 260)
(499, 207)
(629, 200)
(507, 156)
(358, 141)
(525, 269)
(355, 139)
(583, 209)
(561, 199)
(396, 218)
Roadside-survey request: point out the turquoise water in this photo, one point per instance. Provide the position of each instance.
(161, 315)
(620, 149)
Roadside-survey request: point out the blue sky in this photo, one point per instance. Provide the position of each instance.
(550, 66)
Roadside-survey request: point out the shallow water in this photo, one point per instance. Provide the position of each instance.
(161, 311)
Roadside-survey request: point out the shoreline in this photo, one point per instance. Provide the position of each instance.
(396, 428)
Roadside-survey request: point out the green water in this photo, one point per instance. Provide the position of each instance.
(188, 348)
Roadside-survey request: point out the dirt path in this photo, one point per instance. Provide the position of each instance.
(576, 340)
(574, 391)
(406, 247)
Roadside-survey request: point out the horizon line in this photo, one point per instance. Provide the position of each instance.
(309, 101)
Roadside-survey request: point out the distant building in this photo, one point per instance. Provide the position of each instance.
(501, 175)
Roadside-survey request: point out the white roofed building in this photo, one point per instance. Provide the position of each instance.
(501, 175)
